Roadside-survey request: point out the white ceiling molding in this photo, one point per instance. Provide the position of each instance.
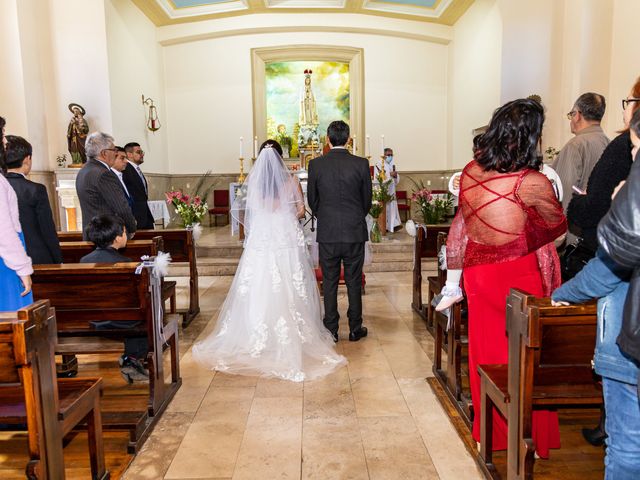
(386, 7)
(213, 8)
(305, 3)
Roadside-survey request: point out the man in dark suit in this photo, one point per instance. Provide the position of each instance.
(136, 183)
(98, 188)
(339, 194)
(36, 218)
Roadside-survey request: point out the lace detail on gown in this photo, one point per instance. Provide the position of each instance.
(271, 322)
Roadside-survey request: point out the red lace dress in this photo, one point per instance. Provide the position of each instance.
(502, 238)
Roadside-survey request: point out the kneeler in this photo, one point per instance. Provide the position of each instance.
(340, 281)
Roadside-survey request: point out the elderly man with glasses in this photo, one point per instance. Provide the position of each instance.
(578, 157)
(99, 190)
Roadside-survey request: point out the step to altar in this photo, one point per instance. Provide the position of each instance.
(219, 253)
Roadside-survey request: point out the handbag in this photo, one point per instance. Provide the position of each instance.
(573, 259)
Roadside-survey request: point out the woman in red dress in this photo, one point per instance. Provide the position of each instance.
(502, 237)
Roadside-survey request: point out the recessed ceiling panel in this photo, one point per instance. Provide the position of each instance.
(422, 8)
(165, 12)
(195, 3)
(305, 3)
(417, 3)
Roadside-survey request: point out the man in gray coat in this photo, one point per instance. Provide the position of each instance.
(98, 188)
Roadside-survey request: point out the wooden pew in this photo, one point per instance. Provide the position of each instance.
(550, 352)
(30, 394)
(180, 244)
(72, 252)
(424, 246)
(454, 377)
(83, 293)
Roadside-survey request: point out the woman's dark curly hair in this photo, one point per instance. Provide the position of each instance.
(510, 142)
(3, 165)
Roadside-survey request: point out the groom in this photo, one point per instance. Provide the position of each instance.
(339, 194)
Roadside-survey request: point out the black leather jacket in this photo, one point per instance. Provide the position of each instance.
(619, 235)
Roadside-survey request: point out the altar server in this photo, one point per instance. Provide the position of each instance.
(393, 215)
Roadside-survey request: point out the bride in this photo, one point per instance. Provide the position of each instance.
(270, 323)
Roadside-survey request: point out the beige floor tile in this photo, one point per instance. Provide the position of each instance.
(448, 453)
(330, 397)
(394, 449)
(275, 387)
(155, 457)
(211, 445)
(332, 449)
(378, 397)
(272, 443)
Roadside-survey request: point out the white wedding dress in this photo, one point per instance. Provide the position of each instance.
(271, 321)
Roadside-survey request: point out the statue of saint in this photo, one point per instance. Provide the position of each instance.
(77, 135)
(308, 112)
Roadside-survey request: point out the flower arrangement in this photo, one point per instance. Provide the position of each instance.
(432, 208)
(190, 209)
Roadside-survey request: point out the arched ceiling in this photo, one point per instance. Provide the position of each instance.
(166, 12)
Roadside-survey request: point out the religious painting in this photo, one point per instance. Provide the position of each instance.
(302, 99)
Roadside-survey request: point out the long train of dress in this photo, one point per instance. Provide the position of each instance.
(271, 321)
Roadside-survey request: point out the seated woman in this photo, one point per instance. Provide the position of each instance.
(502, 237)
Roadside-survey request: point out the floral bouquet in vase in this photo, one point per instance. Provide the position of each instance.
(375, 211)
(432, 208)
(191, 209)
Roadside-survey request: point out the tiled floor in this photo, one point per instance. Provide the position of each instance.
(376, 418)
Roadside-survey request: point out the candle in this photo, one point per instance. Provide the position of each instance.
(255, 147)
(382, 143)
(241, 140)
(367, 147)
(355, 146)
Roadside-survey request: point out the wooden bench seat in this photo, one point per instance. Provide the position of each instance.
(453, 376)
(181, 245)
(73, 251)
(31, 395)
(550, 352)
(86, 293)
(424, 246)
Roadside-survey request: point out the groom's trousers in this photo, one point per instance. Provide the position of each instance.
(332, 255)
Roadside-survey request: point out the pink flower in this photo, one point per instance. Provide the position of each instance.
(186, 198)
(197, 200)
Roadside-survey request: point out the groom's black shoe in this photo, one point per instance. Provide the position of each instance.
(357, 334)
(335, 336)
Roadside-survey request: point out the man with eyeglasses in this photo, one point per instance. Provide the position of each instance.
(579, 155)
(99, 189)
(137, 185)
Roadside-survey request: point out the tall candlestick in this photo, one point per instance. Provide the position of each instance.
(241, 149)
(382, 143)
(367, 147)
(255, 147)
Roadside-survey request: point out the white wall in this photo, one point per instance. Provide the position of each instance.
(474, 76)
(625, 67)
(12, 95)
(209, 96)
(136, 68)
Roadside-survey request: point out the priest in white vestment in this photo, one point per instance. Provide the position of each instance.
(393, 215)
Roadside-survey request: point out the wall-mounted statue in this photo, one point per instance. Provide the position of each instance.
(77, 135)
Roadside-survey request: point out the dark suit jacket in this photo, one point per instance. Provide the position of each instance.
(36, 220)
(100, 192)
(139, 195)
(339, 194)
(104, 255)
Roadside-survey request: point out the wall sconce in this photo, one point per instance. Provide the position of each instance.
(153, 122)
